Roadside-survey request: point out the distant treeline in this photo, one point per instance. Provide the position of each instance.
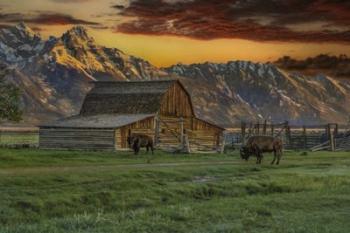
(338, 65)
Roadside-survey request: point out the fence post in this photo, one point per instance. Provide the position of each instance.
(157, 128)
(336, 130)
(187, 144)
(305, 137)
(222, 149)
(250, 129)
(335, 135)
(272, 130)
(264, 128)
(288, 135)
(331, 138)
(182, 131)
(243, 128)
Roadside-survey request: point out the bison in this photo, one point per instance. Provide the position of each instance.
(136, 141)
(256, 145)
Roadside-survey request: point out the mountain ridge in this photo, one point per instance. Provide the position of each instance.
(55, 74)
(266, 88)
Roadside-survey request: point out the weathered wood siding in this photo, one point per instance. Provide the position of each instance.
(81, 139)
(118, 139)
(143, 127)
(201, 135)
(176, 102)
(202, 125)
(204, 136)
(175, 105)
(170, 131)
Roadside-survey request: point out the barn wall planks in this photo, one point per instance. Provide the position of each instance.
(176, 119)
(201, 135)
(205, 136)
(202, 125)
(82, 139)
(176, 102)
(170, 130)
(141, 127)
(118, 139)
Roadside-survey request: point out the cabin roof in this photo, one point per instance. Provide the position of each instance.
(126, 97)
(98, 121)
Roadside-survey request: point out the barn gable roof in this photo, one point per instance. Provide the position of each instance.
(111, 121)
(117, 103)
(126, 97)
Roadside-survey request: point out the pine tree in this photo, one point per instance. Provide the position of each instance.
(9, 98)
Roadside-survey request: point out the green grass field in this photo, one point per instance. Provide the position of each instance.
(62, 191)
(10, 138)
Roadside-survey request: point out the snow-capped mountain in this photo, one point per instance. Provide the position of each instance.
(55, 75)
(19, 43)
(274, 94)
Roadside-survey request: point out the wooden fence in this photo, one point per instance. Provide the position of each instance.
(316, 137)
(332, 136)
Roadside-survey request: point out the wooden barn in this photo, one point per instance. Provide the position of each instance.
(112, 110)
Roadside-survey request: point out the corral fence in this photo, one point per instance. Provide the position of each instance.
(330, 136)
(19, 137)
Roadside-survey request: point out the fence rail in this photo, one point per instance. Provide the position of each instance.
(295, 137)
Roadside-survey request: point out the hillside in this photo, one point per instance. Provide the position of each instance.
(55, 74)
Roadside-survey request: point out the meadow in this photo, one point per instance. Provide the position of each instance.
(72, 191)
(18, 136)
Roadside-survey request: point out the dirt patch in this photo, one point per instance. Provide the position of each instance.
(203, 179)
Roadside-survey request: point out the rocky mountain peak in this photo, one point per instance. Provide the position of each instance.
(23, 27)
(23, 33)
(19, 42)
(76, 35)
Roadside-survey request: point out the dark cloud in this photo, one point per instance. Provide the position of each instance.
(58, 19)
(4, 26)
(119, 7)
(43, 18)
(70, 1)
(10, 17)
(260, 20)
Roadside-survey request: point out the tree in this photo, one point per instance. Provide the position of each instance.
(9, 98)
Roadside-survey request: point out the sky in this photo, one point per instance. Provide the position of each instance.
(167, 32)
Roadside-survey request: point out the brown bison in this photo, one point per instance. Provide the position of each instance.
(136, 141)
(256, 145)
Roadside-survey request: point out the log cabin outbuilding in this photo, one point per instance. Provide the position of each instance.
(112, 110)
